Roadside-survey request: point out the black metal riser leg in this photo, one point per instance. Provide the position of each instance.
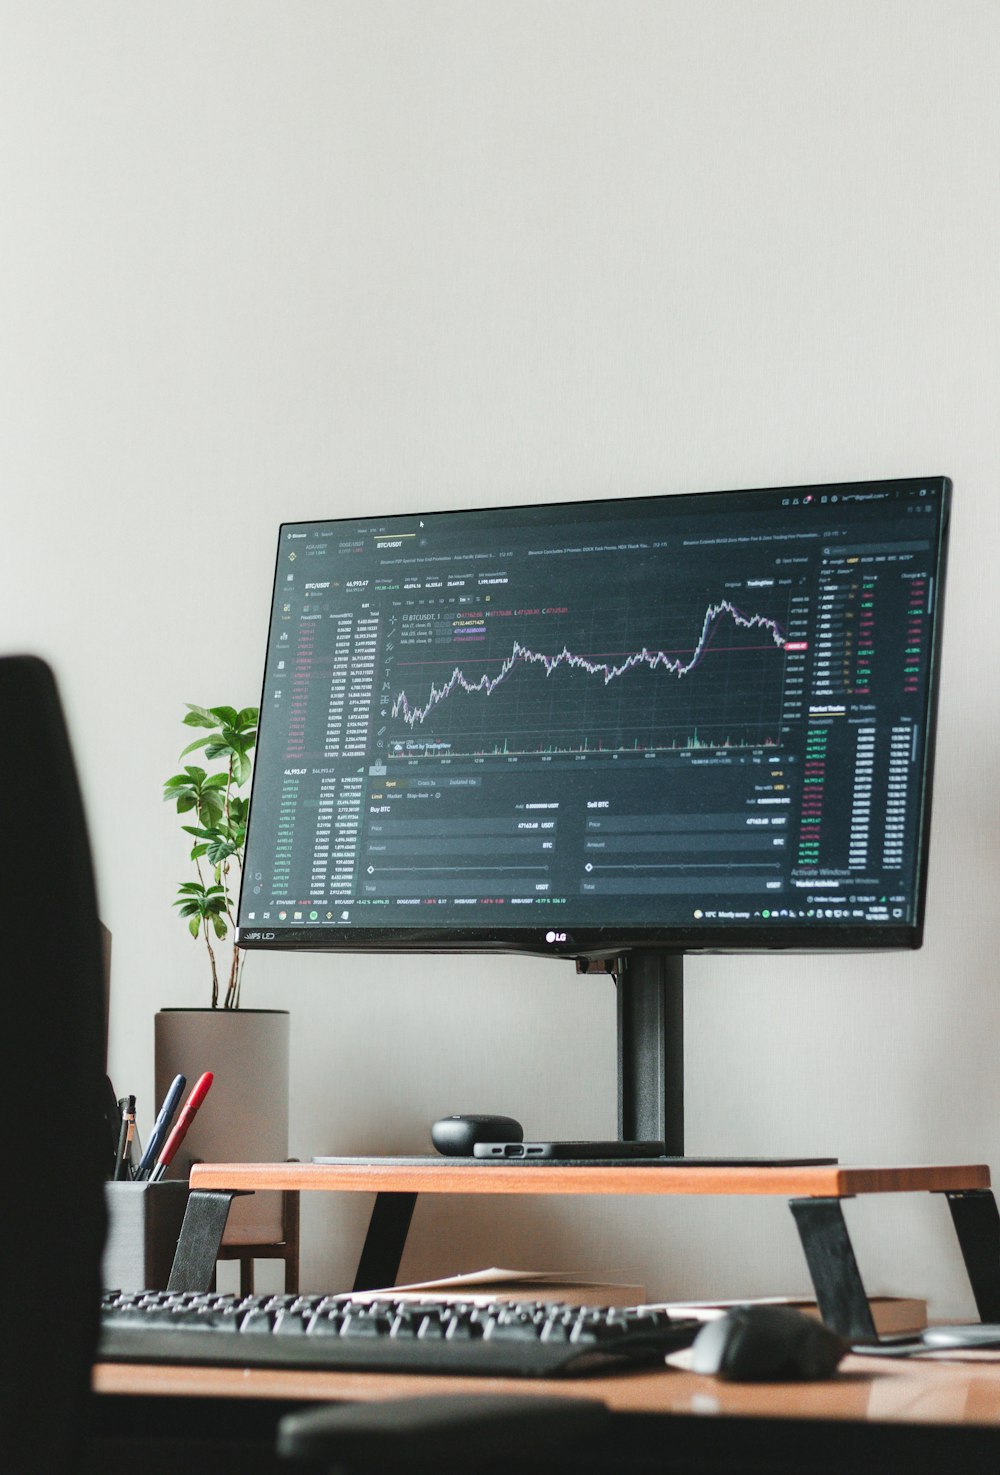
(385, 1240)
(977, 1224)
(199, 1240)
(840, 1292)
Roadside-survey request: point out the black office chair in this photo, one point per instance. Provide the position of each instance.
(51, 1083)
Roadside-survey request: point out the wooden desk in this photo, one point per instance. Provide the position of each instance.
(865, 1390)
(815, 1195)
(873, 1416)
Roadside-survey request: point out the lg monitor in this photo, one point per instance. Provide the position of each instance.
(617, 730)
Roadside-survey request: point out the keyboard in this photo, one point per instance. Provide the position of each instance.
(523, 1339)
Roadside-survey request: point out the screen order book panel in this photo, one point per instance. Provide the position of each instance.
(684, 722)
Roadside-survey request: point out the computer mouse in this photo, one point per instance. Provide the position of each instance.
(456, 1136)
(767, 1344)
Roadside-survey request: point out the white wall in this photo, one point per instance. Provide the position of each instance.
(264, 261)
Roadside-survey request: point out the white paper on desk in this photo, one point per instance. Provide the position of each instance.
(892, 1314)
(475, 1285)
(493, 1276)
(712, 1310)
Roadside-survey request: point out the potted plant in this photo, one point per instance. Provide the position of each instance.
(220, 832)
(245, 1116)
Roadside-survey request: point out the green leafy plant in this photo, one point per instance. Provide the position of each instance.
(219, 830)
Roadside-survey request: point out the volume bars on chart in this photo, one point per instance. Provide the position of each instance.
(724, 689)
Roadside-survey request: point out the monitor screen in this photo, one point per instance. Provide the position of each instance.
(689, 722)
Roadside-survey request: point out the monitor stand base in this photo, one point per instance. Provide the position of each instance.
(749, 1162)
(583, 1162)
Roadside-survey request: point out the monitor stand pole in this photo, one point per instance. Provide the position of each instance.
(651, 1048)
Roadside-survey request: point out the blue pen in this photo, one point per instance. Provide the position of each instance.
(162, 1126)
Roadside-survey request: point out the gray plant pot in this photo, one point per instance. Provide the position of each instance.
(244, 1118)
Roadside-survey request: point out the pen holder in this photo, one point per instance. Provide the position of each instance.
(144, 1221)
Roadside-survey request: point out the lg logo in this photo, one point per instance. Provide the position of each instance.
(556, 937)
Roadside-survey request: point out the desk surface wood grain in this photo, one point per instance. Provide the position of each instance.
(865, 1390)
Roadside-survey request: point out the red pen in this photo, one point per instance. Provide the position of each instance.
(188, 1111)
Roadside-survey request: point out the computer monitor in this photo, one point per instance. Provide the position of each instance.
(617, 730)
